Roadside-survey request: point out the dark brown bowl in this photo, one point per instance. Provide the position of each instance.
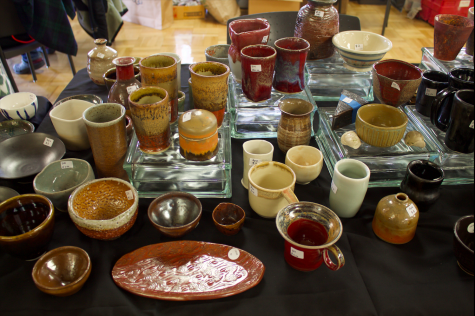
(62, 271)
(463, 243)
(174, 214)
(26, 225)
(228, 218)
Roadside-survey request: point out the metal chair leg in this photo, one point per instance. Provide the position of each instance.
(32, 68)
(71, 63)
(45, 55)
(386, 16)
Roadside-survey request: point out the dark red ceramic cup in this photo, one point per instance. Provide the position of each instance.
(451, 32)
(290, 64)
(257, 62)
(310, 230)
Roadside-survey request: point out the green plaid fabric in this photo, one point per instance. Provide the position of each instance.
(47, 22)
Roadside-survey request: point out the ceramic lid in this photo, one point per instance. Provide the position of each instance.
(197, 123)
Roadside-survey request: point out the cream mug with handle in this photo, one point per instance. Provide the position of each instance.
(271, 188)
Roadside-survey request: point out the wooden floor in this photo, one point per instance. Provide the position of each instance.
(189, 39)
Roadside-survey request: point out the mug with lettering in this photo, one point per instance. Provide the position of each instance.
(255, 151)
(432, 83)
(310, 230)
(348, 188)
(257, 63)
(271, 188)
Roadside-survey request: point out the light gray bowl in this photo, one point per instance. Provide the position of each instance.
(60, 178)
(7, 193)
(218, 53)
(26, 155)
(84, 97)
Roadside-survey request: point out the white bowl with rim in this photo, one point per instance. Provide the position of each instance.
(361, 49)
(19, 106)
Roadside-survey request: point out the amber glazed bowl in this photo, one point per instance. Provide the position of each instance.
(62, 271)
(228, 218)
(174, 214)
(463, 243)
(26, 225)
(104, 208)
(380, 125)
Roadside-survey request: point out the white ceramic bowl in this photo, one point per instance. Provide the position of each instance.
(19, 106)
(360, 49)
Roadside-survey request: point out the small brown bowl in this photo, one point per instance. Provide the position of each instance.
(62, 271)
(228, 218)
(174, 214)
(110, 76)
(463, 243)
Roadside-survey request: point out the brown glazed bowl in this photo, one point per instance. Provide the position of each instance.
(228, 218)
(26, 233)
(104, 208)
(395, 82)
(62, 271)
(380, 125)
(110, 76)
(174, 214)
(463, 243)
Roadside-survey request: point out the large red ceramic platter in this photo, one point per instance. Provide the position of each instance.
(187, 270)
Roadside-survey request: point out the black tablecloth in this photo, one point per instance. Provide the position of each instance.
(418, 278)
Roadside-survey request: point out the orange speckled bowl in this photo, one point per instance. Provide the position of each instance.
(104, 208)
(198, 131)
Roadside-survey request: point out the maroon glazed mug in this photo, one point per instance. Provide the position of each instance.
(451, 32)
(290, 64)
(258, 62)
(310, 230)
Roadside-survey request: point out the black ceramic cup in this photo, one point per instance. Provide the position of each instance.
(459, 79)
(459, 135)
(463, 243)
(432, 83)
(422, 183)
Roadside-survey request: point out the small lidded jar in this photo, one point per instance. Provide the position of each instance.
(198, 131)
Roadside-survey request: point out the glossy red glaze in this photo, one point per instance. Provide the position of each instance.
(308, 233)
(124, 68)
(258, 63)
(247, 32)
(290, 64)
(450, 34)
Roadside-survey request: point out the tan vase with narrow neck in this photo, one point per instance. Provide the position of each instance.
(99, 60)
(395, 219)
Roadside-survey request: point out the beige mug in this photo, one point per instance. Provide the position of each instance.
(271, 188)
(255, 151)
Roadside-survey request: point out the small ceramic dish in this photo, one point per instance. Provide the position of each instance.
(26, 225)
(174, 214)
(62, 271)
(91, 98)
(110, 76)
(380, 125)
(228, 218)
(11, 128)
(7, 193)
(218, 53)
(60, 178)
(104, 208)
(27, 154)
(306, 162)
(463, 243)
(360, 49)
(19, 106)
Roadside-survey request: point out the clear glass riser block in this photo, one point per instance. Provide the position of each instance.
(458, 167)
(153, 175)
(326, 78)
(429, 62)
(388, 165)
(258, 119)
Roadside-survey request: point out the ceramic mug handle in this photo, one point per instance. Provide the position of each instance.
(289, 195)
(338, 255)
(437, 104)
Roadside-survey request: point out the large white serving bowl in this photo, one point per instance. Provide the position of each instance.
(19, 106)
(360, 49)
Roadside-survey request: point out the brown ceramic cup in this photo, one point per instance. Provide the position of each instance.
(209, 81)
(107, 134)
(295, 127)
(149, 111)
(451, 32)
(228, 218)
(162, 71)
